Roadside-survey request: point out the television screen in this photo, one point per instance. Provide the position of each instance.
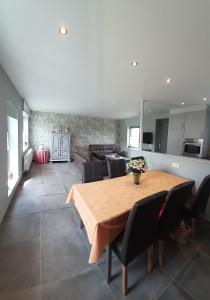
(147, 137)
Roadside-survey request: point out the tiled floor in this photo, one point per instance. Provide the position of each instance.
(44, 253)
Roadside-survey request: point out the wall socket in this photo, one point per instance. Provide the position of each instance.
(175, 165)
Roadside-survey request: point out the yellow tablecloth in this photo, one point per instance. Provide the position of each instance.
(104, 206)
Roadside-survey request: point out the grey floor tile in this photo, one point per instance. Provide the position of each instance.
(53, 189)
(63, 255)
(69, 182)
(88, 285)
(28, 294)
(31, 179)
(71, 179)
(52, 173)
(18, 229)
(24, 205)
(58, 220)
(19, 266)
(27, 189)
(195, 278)
(50, 202)
(68, 186)
(173, 292)
(176, 257)
(51, 179)
(141, 283)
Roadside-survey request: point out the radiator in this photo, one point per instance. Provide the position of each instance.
(27, 159)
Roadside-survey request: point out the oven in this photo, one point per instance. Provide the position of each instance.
(192, 148)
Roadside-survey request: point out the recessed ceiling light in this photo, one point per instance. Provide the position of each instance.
(168, 80)
(204, 99)
(182, 103)
(63, 30)
(134, 63)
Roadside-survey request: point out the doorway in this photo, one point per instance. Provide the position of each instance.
(161, 135)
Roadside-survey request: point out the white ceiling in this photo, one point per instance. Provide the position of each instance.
(89, 72)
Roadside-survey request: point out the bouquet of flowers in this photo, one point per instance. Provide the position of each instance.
(136, 166)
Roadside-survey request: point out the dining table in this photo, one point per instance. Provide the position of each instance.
(104, 206)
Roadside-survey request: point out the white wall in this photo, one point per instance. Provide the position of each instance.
(7, 92)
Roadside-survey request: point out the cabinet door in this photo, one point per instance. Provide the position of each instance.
(175, 141)
(176, 121)
(65, 142)
(194, 124)
(64, 154)
(55, 154)
(55, 141)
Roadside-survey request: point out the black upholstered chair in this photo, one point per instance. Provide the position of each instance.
(139, 235)
(116, 168)
(172, 213)
(198, 208)
(92, 171)
(137, 157)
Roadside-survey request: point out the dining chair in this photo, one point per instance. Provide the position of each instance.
(116, 168)
(137, 157)
(139, 235)
(92, 171)
(198, 208)
(172, 213)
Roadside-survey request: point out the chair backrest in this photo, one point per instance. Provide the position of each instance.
(174, 208)
(116, 167)
(137, 157)
(141, 226)
(92, 171)
(202, 196)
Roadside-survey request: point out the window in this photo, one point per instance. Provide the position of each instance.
(12, 145)
(133, 137)
(25, 131)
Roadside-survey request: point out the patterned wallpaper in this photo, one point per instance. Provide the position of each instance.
(84, 130)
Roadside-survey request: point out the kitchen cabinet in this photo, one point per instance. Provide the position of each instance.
(177, 121)
(60, 147)
(195, 125)
(175, 142)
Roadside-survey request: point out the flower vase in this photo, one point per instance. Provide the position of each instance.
(136, 178)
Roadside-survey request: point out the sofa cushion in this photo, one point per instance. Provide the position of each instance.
(99, 155)
(84, 153)
(109, 148)
(96, 147)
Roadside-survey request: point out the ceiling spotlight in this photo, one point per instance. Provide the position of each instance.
(63, 30)
(168, 80)
(204, 99)
(134, 63)
(182, 103)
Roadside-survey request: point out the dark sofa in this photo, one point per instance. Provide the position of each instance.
(95, 152)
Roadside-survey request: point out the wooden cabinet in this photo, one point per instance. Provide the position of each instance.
(176, 133)
(195, 125)
(177, 121)
(175, 142)
(60, 147)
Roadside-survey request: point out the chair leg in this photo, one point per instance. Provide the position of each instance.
(194, 228)
(160, 252)
(202, 221)
(81, 225)
(108, 263)
(124, 280)
(150, 258)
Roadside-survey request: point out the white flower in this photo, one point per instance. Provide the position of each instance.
(136, 165)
